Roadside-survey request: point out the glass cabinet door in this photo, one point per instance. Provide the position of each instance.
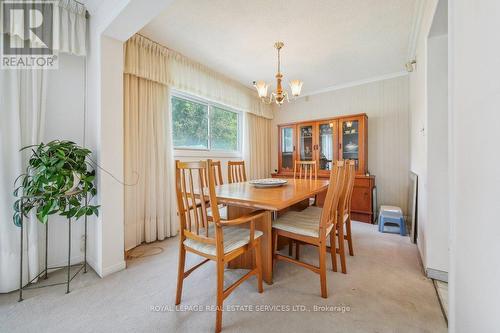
(326, 145)
(350, 140)
(287, 148)
(306, 144)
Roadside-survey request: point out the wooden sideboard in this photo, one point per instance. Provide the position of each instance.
(326, 141)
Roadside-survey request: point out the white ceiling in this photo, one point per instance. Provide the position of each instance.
(327, 42)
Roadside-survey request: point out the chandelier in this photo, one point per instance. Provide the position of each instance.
(280, 94)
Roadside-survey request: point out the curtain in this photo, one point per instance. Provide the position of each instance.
(257, 145)
(150, 204)
(155, 62)
(70, 18)
(22, 106)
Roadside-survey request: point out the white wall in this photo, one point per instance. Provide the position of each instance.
(437, 159)
(111, 156)
(64, 120)
(429, 138)
(474, 50)
(418, 125)
(386, 104)
(119, 20)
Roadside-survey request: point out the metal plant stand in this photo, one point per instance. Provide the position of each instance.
(44, 272)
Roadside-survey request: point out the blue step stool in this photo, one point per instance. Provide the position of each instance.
(391, 214)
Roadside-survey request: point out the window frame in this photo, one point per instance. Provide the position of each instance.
(187, 151)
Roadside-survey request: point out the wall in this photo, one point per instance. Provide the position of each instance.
(386, 104)
(475, 180)
(437, 159)
(418, 125)
(111, 23)
(111, 156)
(64, 120)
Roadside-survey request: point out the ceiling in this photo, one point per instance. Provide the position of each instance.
(327, 42)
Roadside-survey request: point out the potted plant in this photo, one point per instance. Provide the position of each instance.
(59, 179)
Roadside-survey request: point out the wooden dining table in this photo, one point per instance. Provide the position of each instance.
(243, 198)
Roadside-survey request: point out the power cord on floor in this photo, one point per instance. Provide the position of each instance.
(143, 251)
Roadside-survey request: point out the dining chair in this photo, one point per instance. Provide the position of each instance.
(305, 170)
(344, 215)
(312, 228)
(352, 168)
(216, 168)
(213, 239)
(236, 172)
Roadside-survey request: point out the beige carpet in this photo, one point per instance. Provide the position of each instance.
(384, 291)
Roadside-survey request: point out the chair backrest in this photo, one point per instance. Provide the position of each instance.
(217, 170)
(305, 170)
(352, 175)
(236, 172)
(329, 213)
(192, 194)
(348, 185)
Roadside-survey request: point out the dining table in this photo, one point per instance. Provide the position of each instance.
(243, 198)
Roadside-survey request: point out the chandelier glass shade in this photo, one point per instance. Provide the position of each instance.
(279, 95)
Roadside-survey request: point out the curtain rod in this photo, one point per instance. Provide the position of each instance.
(153, 41)
(86, 11)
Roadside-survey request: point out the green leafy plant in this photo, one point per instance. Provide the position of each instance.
(58, 179)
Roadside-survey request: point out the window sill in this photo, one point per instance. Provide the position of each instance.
(206, 153)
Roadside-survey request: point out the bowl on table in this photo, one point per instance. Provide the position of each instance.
(268, 182)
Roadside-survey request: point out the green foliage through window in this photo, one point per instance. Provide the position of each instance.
(193, 130)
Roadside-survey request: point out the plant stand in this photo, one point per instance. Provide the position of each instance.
(44, 272)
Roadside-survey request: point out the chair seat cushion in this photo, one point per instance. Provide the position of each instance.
(304, 223)
(222, 212)
(234, 237)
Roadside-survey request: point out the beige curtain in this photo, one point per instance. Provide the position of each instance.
(150, 206)
(151, 60)
(257, 145)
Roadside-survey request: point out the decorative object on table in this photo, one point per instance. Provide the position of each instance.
(59, 180)
(393, 215)
(280, 94)
(268, 182)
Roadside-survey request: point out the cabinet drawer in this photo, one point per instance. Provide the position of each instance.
(362, 182)
(361, 199)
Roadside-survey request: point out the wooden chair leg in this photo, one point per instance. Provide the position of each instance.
(275, 245)
(290, 247)
(258, 265)
(342, 249)
(297, 250)
(349, 236)
(333, 250)
(180, 274)
(322, 270)
(220, 295)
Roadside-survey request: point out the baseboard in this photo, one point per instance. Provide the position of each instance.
(436, 274)
(74, 260)
(113, 268)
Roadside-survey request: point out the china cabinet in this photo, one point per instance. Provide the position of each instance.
(326, 141)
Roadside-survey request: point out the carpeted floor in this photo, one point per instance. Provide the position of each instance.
(384, 291)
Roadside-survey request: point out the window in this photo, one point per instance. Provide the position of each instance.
(202, 125)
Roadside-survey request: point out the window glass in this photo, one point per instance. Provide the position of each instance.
(189, 124)
(223, 129)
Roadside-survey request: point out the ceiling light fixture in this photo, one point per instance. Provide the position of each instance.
(280, 94)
